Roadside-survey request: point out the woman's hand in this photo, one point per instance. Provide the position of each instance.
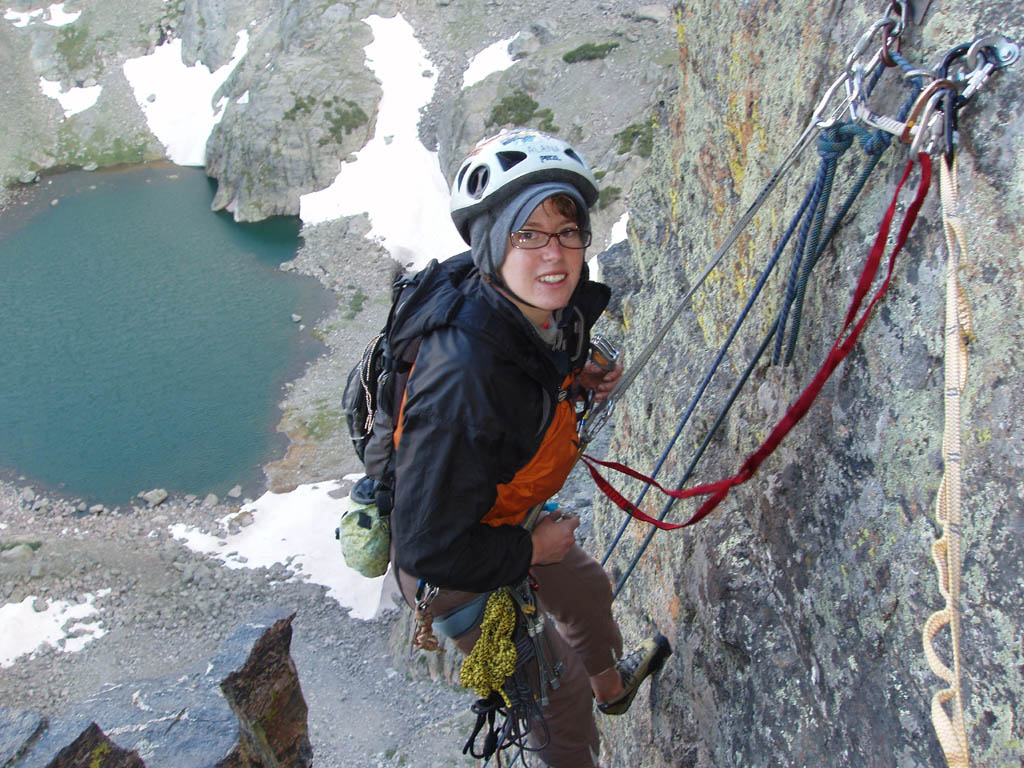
(553, 537)
(598, 379)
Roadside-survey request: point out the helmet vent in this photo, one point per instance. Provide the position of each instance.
(476, 184)
(572, 153)
(462, 174)
(510, 159)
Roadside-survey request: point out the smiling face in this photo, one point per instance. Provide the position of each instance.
(545, 277)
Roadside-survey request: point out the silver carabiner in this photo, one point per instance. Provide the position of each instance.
(984, 56)
(929, 125)
(423, 601)
(865, 39)
(931, 74)
(816, 120)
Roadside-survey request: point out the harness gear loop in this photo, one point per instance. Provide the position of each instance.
(496, 669)
(946, 551)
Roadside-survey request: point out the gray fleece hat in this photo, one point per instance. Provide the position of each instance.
(489, 231)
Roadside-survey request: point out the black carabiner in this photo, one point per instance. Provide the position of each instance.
(952, 102)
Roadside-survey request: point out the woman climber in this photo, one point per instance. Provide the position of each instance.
(487, 431)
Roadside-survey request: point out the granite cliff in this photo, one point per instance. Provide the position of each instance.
(796, 608)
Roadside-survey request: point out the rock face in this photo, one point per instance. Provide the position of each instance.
(267, 699)
(796, 609)
(300, 102)
(259, 720)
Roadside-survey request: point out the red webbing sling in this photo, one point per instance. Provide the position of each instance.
(720, 489)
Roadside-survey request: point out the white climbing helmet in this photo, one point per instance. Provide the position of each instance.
(500, 166)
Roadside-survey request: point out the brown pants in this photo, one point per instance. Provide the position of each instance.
(577, 594)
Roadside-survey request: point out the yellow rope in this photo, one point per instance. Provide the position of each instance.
(493, 658)
(946, 551)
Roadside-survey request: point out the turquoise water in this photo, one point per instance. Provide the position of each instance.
(144, 340)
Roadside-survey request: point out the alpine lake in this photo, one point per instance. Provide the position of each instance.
(144, 339)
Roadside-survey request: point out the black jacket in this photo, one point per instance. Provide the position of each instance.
(478, 402)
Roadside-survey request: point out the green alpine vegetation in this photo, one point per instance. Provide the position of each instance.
(589, 52)
(638, 137)
(519, 109)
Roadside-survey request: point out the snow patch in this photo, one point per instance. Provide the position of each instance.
(55, 16)
(73, 100)
(295, 529)
(394, 179)
(26, 631)
(620, 230)
(493, 58)
(177, 100)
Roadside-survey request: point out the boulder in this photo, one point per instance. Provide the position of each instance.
(659, 14)
(18, 553)
(154, 497)
(267, 700)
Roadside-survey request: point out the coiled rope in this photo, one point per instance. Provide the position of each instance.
(498, 670)
(493, 658)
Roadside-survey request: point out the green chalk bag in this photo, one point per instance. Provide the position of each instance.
(364, 533)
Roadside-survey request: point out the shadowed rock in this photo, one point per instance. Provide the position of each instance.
(245, 708)
(266, 697)
(95, 750)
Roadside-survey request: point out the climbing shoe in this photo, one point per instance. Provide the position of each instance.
(647, 659)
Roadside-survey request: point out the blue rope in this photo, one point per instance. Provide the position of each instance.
(700, 452)
(874, 143)
(831, 146)
(714, 365)
(832, 143)
(809, 242)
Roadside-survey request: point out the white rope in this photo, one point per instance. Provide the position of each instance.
(946, 551)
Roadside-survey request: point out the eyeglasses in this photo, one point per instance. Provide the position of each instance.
(567, 238)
